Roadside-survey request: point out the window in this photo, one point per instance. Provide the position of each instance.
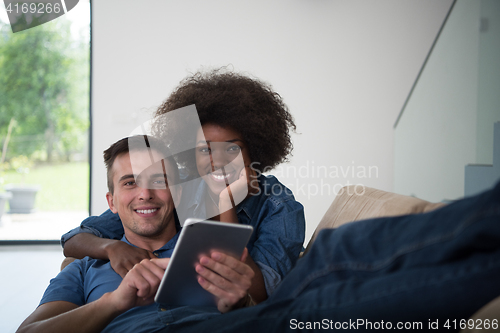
(44, 126)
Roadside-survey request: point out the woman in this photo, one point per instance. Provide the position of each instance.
(244, 131)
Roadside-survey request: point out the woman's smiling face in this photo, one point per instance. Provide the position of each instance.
(221, 154)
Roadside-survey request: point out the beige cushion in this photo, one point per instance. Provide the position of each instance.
(66, 262)
(489, 313)
(357, 202)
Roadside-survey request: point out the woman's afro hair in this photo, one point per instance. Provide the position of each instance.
(235, 101)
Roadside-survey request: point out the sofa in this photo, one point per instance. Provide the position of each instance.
(354, 203)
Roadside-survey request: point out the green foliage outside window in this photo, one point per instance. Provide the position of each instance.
(44, 82)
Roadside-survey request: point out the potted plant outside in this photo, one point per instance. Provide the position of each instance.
(22, 200)
(21, 197)
(4, 196)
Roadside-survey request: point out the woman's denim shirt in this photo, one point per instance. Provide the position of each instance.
(277, 218)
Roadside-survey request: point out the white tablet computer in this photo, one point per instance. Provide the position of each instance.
(179, 285)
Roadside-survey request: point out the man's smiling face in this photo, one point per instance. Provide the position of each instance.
(142, 200)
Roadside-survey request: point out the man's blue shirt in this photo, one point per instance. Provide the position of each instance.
(86, 280)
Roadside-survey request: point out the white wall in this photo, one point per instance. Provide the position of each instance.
(488, 109)
(344, 67)
(441, 130)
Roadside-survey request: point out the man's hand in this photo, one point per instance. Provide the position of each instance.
(139, 285)
(226, 278)
(123, 257)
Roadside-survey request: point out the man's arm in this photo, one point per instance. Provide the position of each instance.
(137, 288)
(121, 255)
(63, 316)
(226, 277)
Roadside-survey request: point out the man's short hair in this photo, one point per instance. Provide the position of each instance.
(136, 142)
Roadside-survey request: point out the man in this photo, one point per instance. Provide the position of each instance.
(89, 296)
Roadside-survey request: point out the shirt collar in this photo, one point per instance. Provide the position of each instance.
(169, 246)
(195, 202)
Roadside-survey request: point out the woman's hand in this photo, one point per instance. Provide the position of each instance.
(247, 184)
(227, 278)
(123, 257)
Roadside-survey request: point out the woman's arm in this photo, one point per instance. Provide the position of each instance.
(234, 194)
(279, 230)
(258, 287)
(122, 256)
(98, 237)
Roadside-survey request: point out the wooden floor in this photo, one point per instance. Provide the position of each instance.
(25, 272)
